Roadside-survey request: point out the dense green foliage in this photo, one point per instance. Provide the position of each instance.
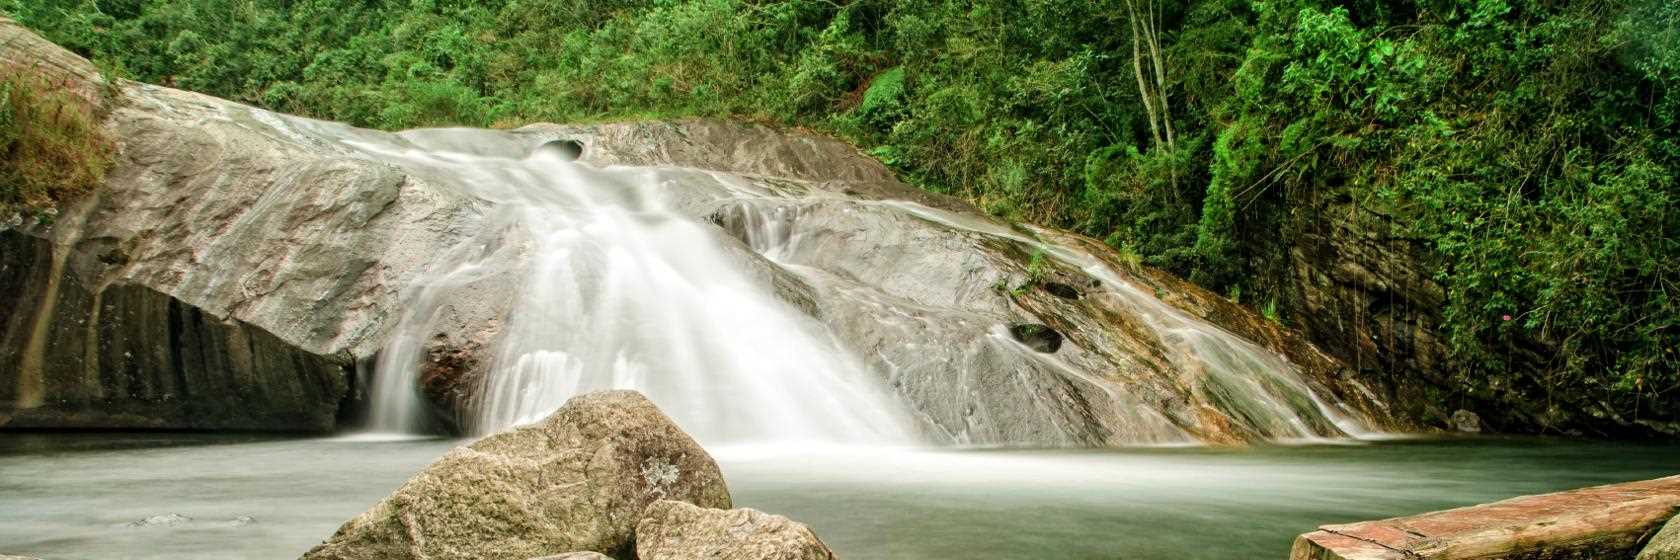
(51, 147)
(1532, 145)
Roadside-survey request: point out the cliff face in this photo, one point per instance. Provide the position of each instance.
(239, 265)
(1366, 294)
(123, 355)
(224, 278)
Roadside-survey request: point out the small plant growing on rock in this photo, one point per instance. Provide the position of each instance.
(51, 146)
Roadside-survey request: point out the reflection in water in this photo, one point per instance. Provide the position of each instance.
(73, 496)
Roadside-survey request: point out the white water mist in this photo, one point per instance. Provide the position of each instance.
(616, 290)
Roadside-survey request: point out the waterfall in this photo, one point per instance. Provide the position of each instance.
(615, 289)
(574, 277)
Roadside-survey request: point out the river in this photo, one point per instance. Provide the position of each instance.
(87, 495)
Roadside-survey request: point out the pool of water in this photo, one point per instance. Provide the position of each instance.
(79, 495)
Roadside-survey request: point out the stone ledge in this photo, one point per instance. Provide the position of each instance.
(1601, 523)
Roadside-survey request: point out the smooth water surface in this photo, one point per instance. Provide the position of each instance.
(66, 496)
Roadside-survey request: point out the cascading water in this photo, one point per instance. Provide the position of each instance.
(1257, 385)
(1259, 390)
(606, 278)
(615, 290)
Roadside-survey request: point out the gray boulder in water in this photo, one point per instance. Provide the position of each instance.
(575, 481)
(672, 530)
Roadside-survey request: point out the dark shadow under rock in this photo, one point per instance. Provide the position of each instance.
(1060, 290)
(1038, 337)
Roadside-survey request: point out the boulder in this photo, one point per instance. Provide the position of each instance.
(585, 555)
(575, 481)
(1466, 421)
(1665, 545)
(672, 530)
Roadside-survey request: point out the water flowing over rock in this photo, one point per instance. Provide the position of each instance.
(575, 481)
(248, 269)
(672, 530)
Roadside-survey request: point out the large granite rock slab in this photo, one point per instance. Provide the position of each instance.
(672, 530)
(261, 261)
(576, 481)
(1608, 522)
(227, 276)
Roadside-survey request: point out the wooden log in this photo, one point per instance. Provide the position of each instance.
(1606, 522)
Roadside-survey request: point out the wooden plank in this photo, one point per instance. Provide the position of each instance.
(1600, 523)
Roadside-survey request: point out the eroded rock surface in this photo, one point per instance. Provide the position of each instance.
(1607, 522)
(576, 481)
(671, 530)
(227, 276)
(301, 252)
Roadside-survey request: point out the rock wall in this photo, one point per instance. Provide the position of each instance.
(126, 356)
(1366, 294)
(227, 276)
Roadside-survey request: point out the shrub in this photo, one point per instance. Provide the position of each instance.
(51, 145)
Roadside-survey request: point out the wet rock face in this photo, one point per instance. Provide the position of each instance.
(1366, 294)
(671, 530)
(575, 481)
(126, 356)
(227, 276)
(978, 333)
(289, 253)
(1038, 337)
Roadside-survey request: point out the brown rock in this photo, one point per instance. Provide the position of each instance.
(1466, 421)
(1597, 523)
(575, 481)
(672, 530)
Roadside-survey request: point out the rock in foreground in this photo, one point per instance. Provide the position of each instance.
(672, 530)
(576, 481)
(1599, 523)
(1665, 545)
